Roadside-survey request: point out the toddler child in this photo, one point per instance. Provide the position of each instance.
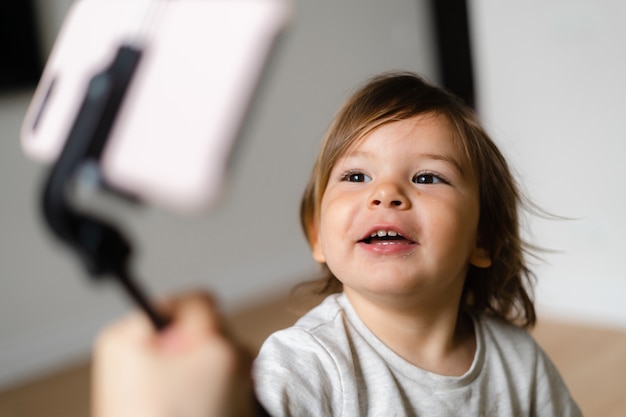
(413, 214)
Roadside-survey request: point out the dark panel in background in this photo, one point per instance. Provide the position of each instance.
(21, 63)
(454, 47)
(20, 52)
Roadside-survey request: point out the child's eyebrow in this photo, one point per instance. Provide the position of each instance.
(433, 156)
(445, 158)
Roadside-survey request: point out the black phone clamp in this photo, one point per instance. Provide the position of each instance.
(103, 248)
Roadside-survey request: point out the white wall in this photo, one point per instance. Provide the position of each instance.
(552, 90)
(251, 245)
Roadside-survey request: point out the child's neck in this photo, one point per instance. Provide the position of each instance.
(440, 340)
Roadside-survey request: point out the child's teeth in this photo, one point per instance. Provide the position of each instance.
(383, 233)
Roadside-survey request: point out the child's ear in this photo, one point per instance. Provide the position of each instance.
(480, 258)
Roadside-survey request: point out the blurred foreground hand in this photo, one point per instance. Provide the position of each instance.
(191, 369)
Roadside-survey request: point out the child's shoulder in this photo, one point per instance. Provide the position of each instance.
(323, 315)
(497, 325)
(319, 335)
(498, 334)
(321, 327)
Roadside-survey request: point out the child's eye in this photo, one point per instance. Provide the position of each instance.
(428, 178)
(355, 176)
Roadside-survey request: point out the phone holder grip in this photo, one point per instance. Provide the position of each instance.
(102, 247)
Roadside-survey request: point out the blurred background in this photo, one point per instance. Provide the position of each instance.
(547, 78)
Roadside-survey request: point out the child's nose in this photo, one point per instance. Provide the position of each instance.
(389, 195)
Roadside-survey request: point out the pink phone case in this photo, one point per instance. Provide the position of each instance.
(201, 60)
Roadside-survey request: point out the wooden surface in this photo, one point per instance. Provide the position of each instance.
(591, 360)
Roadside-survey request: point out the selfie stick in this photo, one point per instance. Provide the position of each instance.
(104, 250)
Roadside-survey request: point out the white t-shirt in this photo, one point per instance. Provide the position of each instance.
(330, 364)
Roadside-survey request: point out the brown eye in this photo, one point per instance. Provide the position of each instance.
(428, 178)
(355, 177)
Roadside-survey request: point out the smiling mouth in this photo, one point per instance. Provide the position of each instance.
(385, 237)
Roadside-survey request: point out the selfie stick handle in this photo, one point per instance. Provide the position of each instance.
(104, 250)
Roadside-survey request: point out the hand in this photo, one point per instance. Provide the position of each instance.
(191, 369)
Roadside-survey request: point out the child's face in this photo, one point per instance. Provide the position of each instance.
(405, 184)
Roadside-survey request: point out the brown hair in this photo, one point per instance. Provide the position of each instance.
(503, 289)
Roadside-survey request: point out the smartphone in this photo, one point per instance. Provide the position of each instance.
(181, 115)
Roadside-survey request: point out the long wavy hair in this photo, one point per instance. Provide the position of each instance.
(504, 289)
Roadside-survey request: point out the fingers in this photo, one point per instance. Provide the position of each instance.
(198, 310)
(191, 368)
(194, 317)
